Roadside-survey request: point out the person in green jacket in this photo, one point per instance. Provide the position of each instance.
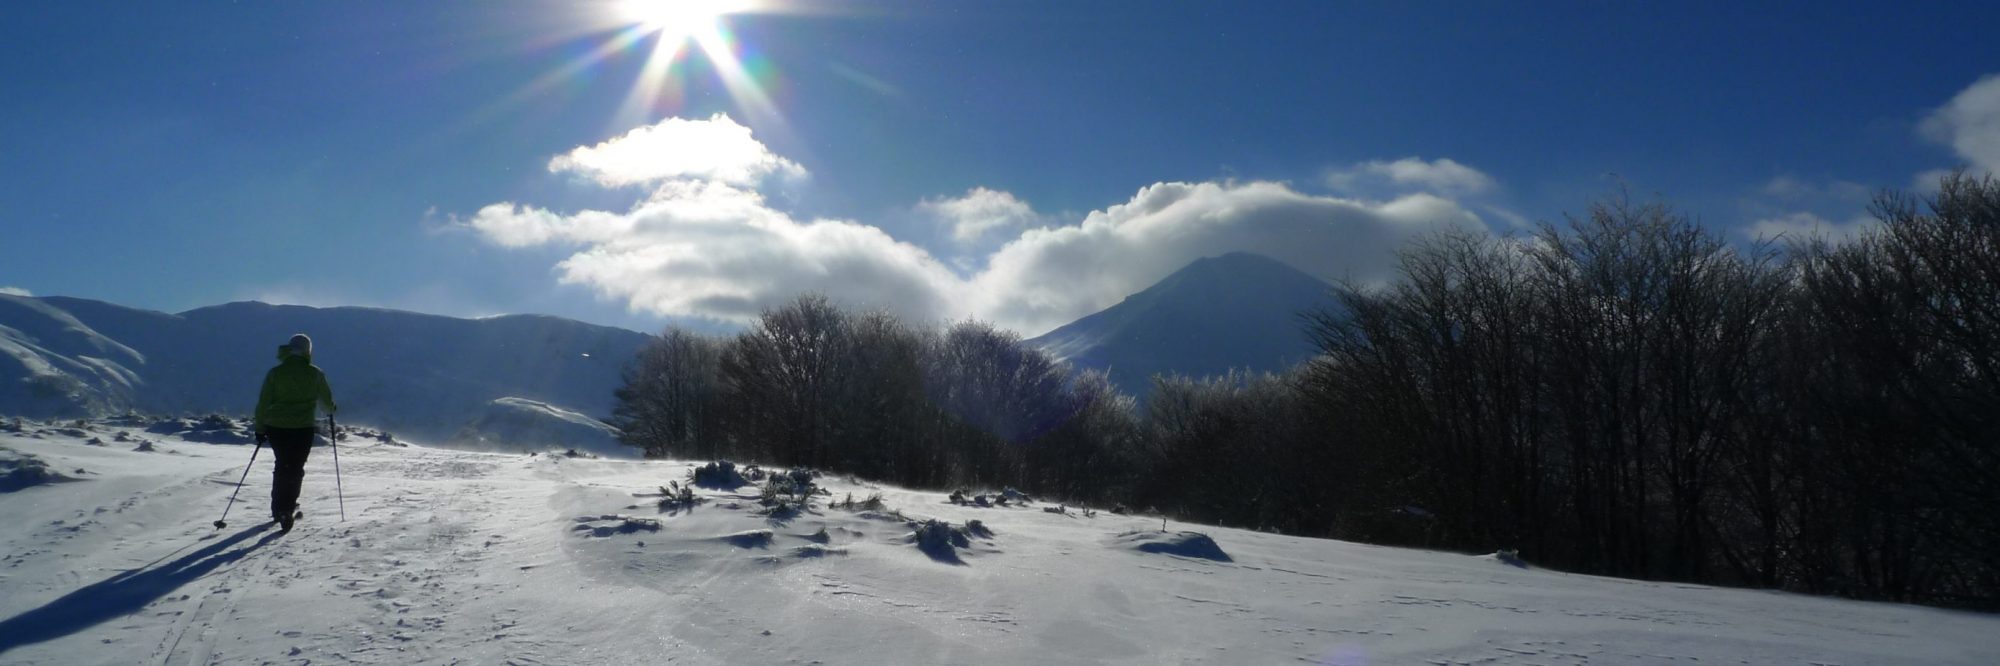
(285, 420)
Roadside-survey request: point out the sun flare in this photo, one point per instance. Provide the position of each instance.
(678, 18)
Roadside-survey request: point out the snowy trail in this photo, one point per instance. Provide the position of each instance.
(453, 557)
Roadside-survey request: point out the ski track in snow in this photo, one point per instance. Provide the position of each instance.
(449, 557)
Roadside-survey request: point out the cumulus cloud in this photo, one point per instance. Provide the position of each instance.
(1441, 176)
(710, 245)
(1803, 225)
(716, 149)
(15, 291)
(711, 249)
(1048, 277)
(979, 212)
(1970, 124)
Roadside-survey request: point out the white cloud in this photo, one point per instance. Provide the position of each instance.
(15, 291)
(1926, 182)
(1970, 124)
(512, 225)
(1049, 277)
(980, 212)
(714, 250)
(1441, 176)
(716, 149)
(1802, 226)
(709, 245)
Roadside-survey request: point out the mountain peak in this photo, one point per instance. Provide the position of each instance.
(1232, 311)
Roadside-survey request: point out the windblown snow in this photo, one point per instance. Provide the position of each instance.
(449, 556)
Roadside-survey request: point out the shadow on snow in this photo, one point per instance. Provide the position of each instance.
(124, 593)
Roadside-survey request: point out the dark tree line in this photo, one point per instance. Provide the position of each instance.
(1628, 394)
(1625, 394)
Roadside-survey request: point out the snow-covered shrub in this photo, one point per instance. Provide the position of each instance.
(168, 426)
(978, 529)
(20, 470)
(793, 488)
(720, 474)
(936, 536)
(1180, 544)
(611, 524)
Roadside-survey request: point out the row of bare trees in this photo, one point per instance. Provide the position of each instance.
(864, 393)
(1626, 394)
(1629, 394)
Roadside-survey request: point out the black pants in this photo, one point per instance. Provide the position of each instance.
(290, 446)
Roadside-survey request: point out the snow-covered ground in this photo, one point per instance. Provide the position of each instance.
(455, 557)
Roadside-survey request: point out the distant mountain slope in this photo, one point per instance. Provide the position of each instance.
(1237, 310)
(427, 375)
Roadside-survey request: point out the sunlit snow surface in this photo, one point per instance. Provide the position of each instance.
(454, 557)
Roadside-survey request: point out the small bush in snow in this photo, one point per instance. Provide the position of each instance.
(720, 474)
(871, 503)
(937, 536)
(790, 489)
(679, 496)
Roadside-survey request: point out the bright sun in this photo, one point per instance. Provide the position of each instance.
(678, 18)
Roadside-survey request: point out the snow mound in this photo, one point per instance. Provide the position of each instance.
(20, 471)
(941, 541)
(513, 423)
(1183, 544)
(748, 539)
(211, 429)
(609, 525)
(1510, 558)
(815, 550)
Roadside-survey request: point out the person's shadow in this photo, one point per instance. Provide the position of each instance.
(122, 594)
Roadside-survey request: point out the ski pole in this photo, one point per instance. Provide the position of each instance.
(239, 486)
(333, 439)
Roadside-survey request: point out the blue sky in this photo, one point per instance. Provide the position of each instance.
(1022, 162)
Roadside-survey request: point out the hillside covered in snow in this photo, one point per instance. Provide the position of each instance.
(427, 376)
(462, 557)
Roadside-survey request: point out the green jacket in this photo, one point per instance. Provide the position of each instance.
(290, 392)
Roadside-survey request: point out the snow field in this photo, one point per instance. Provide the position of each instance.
(457, 557)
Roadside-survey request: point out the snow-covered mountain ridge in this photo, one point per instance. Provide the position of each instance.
(425, 375)
(462, 557)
